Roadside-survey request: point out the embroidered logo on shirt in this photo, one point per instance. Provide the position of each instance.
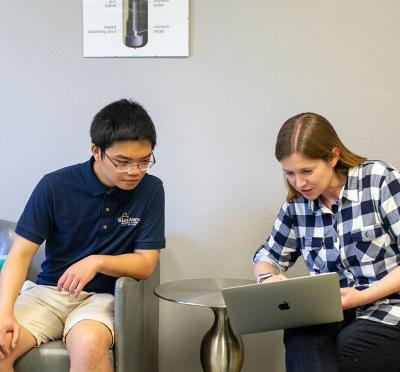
(125, 220)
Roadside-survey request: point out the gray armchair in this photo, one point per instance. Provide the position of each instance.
(135, 321)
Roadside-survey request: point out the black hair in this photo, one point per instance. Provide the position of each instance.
(122, 120)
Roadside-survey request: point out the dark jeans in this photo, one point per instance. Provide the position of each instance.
(348, 346)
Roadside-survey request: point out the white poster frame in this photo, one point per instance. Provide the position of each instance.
(135, 28)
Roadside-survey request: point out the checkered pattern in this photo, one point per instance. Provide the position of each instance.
(359, 239)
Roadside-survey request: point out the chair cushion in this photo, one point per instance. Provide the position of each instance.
(50, 356)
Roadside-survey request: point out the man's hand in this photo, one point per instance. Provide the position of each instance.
(352, 297)
(78, 275)
(8, 323)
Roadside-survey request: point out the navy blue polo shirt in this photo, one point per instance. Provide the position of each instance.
(78, 216)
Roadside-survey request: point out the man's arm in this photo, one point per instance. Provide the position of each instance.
(138, 265)
(12, 277)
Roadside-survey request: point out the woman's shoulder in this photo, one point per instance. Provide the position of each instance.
(375, 173)
(297, 206)
(376, 168)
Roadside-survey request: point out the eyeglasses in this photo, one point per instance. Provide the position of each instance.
(126, 166)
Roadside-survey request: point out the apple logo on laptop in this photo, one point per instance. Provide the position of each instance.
(284, 306)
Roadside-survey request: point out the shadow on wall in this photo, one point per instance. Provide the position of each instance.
(182, 327)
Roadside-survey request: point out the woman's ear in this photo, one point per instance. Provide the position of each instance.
(335, 156)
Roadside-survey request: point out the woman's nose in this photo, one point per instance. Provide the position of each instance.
(299, 181)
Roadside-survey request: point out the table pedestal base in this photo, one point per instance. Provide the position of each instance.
(221, 350)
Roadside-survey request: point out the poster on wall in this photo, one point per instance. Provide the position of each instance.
(135, 28)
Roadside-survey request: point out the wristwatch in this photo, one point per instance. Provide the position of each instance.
(263, 276)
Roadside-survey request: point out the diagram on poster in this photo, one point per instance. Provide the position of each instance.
(135, 28)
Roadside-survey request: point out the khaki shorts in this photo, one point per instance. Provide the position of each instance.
(49, 314)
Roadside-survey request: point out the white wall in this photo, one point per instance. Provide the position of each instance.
(252, 65)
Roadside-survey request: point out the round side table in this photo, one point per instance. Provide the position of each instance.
(221, 350)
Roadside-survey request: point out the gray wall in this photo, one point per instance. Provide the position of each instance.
(252, 65)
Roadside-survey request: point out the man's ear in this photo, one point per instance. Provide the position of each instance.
(96, 152)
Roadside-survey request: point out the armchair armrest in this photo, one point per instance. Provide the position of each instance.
(7, 235)
(136, 324)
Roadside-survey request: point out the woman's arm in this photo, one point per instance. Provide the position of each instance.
(352, 297)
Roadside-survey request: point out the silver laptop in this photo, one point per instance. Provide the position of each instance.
(285, 304)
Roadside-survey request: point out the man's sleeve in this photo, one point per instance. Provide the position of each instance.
(35, 221)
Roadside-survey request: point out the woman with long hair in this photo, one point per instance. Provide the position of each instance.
(341, 214)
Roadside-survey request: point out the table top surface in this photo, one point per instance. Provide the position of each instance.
(200, 292)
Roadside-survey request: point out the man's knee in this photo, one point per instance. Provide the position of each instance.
(7, 360)
(88, 341)
(25, 342)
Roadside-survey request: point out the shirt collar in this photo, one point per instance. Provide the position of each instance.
(315, 206)
(352, 185)
(349, 191)
(96, 187)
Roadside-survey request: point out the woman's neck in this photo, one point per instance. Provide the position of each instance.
(331, 196)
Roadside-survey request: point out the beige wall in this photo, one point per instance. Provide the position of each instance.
(252, 65)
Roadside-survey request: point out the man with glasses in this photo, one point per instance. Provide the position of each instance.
(101, 220)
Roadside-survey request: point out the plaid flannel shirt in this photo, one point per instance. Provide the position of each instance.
(359, 238)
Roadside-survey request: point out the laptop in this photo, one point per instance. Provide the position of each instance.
(295, 302)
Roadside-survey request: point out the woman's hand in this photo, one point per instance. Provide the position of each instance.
(352, 297)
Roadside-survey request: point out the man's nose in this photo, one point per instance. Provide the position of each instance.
(134, 170)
